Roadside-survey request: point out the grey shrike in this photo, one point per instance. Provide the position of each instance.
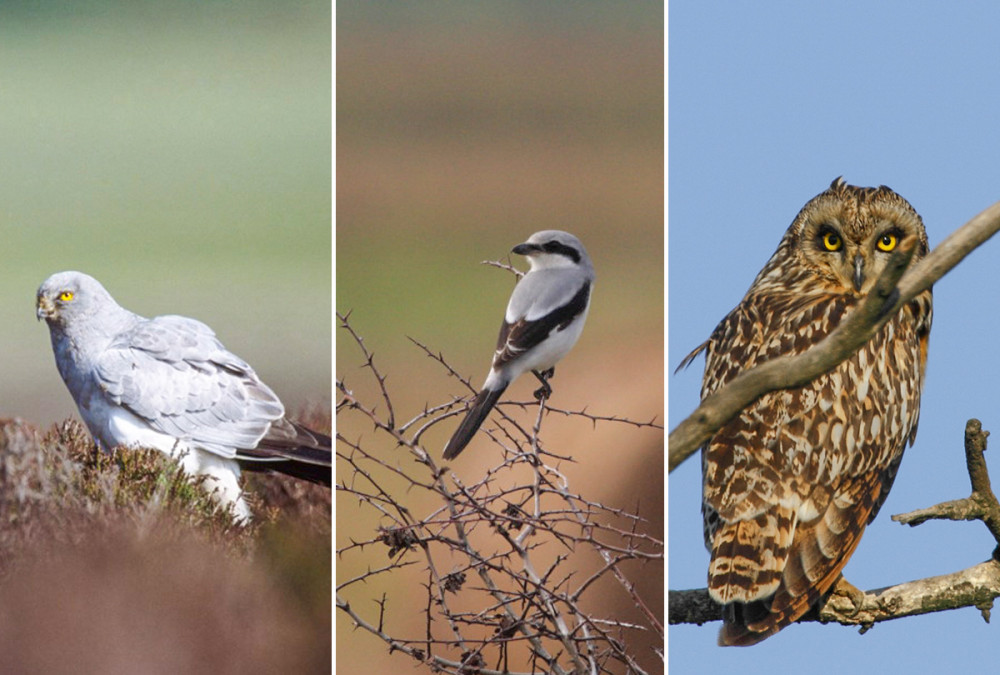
(544, 318)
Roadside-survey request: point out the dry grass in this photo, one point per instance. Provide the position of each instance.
(119, 564)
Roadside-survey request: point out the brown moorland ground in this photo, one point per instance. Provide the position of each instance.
(117, 563)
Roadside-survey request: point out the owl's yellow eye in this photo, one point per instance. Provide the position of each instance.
(832, 241)
(887, 242)
(66, 296)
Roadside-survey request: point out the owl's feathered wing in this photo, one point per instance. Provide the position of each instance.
(791, 483)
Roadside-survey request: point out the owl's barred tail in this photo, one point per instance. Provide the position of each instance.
(812, 565)
(748, 558)
(481, 407)
(738, 616)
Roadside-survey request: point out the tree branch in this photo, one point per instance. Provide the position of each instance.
(859, 326)
(981, 504)
(976, 586)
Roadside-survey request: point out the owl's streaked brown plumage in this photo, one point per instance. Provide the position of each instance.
(791, 483)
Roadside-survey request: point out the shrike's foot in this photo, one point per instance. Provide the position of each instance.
(545, 391)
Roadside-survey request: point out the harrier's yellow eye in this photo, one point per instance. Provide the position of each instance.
(887, 242)
(66, 296)
(832, 241)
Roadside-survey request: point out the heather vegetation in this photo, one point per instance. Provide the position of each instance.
(132, 566)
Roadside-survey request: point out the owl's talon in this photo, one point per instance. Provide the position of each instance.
(845, 589)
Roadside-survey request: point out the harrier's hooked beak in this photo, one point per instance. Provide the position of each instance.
(44, 308)
(859, 272)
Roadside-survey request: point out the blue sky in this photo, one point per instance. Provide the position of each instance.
(769, 102)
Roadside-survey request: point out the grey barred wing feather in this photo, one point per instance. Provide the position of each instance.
(175, 375)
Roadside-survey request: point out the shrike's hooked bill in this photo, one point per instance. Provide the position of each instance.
(544, 318)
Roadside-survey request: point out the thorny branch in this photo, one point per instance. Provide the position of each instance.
(518, 529)
(976, 586)
(892, 291)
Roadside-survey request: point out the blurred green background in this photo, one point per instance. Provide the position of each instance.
(180, 153)
(462, 128)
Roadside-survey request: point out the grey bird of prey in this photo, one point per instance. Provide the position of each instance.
(168, 383)
(544, 319)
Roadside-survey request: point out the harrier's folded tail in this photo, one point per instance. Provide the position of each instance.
(292, 449)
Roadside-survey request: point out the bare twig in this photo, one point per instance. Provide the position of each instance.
(981, 504)
(519, 528)
(370, 363)
(504, 266)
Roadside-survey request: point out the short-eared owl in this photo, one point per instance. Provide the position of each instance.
(791, 483)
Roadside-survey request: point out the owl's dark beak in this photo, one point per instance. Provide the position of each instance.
(859, 272)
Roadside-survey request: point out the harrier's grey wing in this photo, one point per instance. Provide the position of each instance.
(176, 376)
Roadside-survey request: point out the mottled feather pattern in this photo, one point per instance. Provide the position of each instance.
(791, 482)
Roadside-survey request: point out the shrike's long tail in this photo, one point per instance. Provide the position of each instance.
(481, 407)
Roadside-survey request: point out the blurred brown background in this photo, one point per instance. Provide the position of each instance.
(462, 129)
